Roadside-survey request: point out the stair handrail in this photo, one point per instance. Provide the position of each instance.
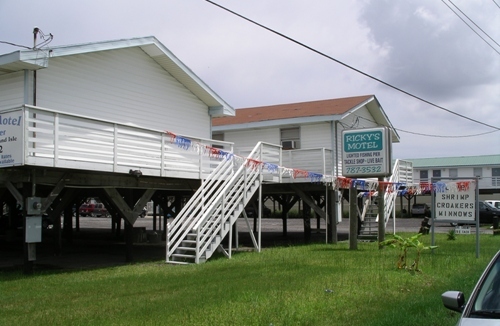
(402, 172)
(220, 213)
(221, 210)
(207, 187)
(215, 213)
(183, 220)
(229, 185)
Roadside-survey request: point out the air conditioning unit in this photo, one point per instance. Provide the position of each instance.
(288, 144)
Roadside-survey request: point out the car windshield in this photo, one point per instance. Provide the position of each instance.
(489, 205)
(487, 301)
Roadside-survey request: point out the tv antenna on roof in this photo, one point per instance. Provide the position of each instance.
(45, 39)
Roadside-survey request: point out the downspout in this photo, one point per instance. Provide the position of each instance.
(35, 33)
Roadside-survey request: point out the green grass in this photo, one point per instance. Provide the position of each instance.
(315, 284)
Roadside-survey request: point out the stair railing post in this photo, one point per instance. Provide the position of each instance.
(197, 248)
(230, 246)
(353, 217)
(167, 241)
(222, 219)
(381, 210)
(260, 208)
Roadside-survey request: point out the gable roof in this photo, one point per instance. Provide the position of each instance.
(39, 59)
(304, 112)
(457, 161)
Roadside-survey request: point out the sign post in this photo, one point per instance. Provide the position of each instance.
(366, 153)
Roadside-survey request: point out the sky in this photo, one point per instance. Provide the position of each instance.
(421, 47)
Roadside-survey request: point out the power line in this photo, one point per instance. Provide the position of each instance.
(496, 3)
(14, 44)
(443, 136)
(350, 67)
(474, 23)
(472, 29)
(427, 135)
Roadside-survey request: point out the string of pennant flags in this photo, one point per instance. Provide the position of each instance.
(339, 182)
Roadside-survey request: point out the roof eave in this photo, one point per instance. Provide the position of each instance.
(275, 123)
(378, 113)
(21, 60)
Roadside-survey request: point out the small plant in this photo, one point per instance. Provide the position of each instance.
(404, 244)
(451, 235)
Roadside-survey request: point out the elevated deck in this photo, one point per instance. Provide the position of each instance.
(46, 138)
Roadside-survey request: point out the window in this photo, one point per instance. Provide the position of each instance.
(453, 173)
(478, 172)
(495, 177)
(218, 137)
(424, 175)
(290, 138)
(436, 173)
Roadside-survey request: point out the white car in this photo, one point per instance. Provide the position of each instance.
(494, 203)
(483, 307)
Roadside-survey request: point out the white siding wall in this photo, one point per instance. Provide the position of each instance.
(124, 86)
(316, 136)
(245, 140)
(12, 90)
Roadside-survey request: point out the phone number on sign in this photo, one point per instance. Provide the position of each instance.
(364, 169)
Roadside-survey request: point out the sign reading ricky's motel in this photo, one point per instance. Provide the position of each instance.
(366, 152)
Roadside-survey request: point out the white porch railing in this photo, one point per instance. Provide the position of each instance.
(317, 160)
(56, 139)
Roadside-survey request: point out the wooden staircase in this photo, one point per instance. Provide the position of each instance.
(402, 173)
(208, 217)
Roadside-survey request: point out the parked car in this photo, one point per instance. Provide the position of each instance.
(420, 209)
(487, 212)
(494, 203)
(483, 306)
(93, 210)
(251, 212)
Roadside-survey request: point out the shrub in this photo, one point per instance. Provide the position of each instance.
(403, 244)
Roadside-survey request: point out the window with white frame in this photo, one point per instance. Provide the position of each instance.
(424, 175)
(478, 172)
(220, 137)
(453, 173)
(290, 138)
(495, 177)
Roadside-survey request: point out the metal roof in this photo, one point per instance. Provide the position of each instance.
(39, 58)
(446, 162)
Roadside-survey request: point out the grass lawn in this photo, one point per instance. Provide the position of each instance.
(315, 284)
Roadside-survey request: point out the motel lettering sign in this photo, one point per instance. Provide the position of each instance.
(366, 152)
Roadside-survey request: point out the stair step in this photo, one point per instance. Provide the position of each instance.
(175, 262)
(187, 248)
(183, 256)
(368, 237)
